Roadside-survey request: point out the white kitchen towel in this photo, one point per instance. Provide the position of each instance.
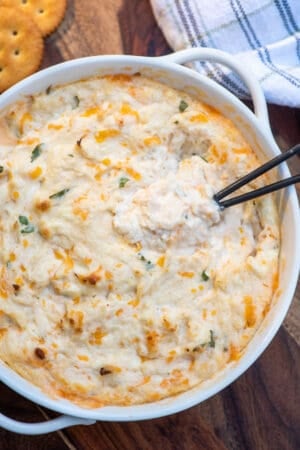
(262, 34)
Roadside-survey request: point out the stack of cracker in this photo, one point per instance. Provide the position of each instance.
(23, 25)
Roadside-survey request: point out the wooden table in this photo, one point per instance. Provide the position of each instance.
(261, 409)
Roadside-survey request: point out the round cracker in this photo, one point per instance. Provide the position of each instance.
(47, 14)
(21, 47)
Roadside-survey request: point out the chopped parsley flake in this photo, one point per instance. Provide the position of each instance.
(204, 276)
(59, 194)
(36, 152)
(1, 169)
(212, 342)
(204, 159)
(28, 229)
(149, 264)
(23, 220)
(123, 181)
(49, 89)
(183, 105)
(75, 102)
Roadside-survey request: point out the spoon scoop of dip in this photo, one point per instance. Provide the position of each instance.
(255, 174)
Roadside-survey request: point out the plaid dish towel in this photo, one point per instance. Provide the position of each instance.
(262, 34)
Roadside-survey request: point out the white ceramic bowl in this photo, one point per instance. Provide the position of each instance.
(257, 132)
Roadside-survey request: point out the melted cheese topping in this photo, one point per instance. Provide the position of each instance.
(121, 282)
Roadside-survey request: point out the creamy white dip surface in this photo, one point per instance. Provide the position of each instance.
(121, 281)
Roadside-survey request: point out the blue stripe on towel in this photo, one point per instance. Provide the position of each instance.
(288, 20)
(217, 72)
(255, 44)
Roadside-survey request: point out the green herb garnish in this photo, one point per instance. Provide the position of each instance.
(183, 105)
(49, 89)
(204, 276)
(176, 122)
(23, 220)
(28, 229)
(212, 342)
(36, 152)
(59, 194)
(75, 102)
(204, 159)
(123, 181)
(71, 156)
(1, 169)
(149, 264)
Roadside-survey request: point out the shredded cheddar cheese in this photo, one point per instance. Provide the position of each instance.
(102, 135)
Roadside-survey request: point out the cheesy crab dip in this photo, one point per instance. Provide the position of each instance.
(121, 281)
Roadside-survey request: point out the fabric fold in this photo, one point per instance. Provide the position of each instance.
(263, 35)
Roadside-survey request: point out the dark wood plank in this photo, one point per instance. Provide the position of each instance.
(139, 30)
(285, 123)
(184, 431)
(114, 27)
(265, 399)
(261, 409)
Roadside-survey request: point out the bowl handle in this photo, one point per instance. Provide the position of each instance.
(218, 56)
(42, 427)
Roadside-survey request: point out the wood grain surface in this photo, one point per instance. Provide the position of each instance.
(260, 411)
